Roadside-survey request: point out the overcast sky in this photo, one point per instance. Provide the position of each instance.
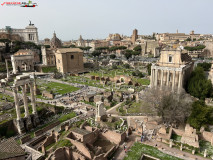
(97, 18)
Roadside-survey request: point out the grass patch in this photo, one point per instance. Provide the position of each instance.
(140, 107)
(56, 88)
(3, 98)
(138, 149)
(206, 145)
(62, 143)
(142, 81)
(49, 69)
(90, 103)
(48, 147)
(67, 116)
(176, 137)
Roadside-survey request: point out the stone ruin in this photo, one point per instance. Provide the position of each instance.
(100, 111)
(190, 137)
(29, 121)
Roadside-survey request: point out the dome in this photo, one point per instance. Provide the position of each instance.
(55, 42)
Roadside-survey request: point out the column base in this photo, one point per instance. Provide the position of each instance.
(35, 120)
(20, 126)
(9, 79)
(36, 91)
(97, 118)
(28, 123)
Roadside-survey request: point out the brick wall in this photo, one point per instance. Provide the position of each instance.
(82, 148)
(25, 139)
(178, 131)
(91, 138)
(50, 139)
(38, 140)
(113, 137)
(207, 136)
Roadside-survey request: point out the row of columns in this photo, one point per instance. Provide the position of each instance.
(154, 78)
(15, 91)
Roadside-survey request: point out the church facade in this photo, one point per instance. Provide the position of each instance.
(48, 54)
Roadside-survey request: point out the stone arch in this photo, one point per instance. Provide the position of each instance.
(122, 79)
(130, 83)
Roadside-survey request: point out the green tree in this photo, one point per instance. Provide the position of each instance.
(128, 55)
(201, 115)
(127, 66)
(199, 47)
(198, 85)
(114, 67)
(96, 54)
(112, 56)
(149, 68)
(7, 44)
(137, 48)
(188, 39)
(205, 66)
(122, 47)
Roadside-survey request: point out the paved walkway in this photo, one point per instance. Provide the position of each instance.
(120, 153)
(174, 151)
(113, 109)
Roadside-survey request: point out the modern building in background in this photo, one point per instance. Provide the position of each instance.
(29, 34)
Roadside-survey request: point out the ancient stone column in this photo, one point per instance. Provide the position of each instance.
(173, 81)
(167, 80)
(151, 78)
(18, 113)
(161, 80)
(25, 101)
(180, 82)
(205, 153)
(13, 64)
(8, 75)
(32, 98)
(156, 77)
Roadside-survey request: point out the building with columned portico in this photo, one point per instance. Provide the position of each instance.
(172, 70)
(28, 34)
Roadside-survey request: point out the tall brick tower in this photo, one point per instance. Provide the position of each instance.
(134, 36)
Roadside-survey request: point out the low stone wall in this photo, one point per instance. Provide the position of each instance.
(100, 157)
(50, 139)
(47, 95)
(207, 136)
(38, 133)
(37, 141)
(25, 139)
(41, 131)
(63, 126)
(65, 153)
(111, 151)
(178, 132)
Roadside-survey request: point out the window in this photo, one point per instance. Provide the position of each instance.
(72, 56)
(170, 58)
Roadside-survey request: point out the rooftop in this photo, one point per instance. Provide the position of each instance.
(68, 50)
(9, 149)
